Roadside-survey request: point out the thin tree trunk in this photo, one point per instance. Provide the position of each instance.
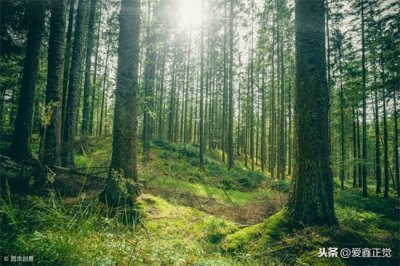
(230, 108)
(396, 145)
(378, 173)
(150, 74)
(354, 146)
(364, 107)
(385, 132)
(91, 119)
(88, 67)
(67, 57)
(201, 122)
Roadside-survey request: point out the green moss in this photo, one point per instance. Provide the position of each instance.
(243, 238)
(260, 235)
(276, 227)
(216, 228)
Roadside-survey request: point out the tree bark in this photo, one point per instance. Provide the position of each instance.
(73, 95)
(124, 147)
(67, 60)
(364, 107)
(88, 67)
(311, 201)
(231, 155)
(55, 75)
(20, 148)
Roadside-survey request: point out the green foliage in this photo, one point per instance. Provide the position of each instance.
(57, 233)
(281, 185)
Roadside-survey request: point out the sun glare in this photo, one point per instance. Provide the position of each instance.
(190, 13)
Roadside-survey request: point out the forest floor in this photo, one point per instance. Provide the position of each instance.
(187, 217)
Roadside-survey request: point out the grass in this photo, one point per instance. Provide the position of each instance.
(175, 167)
(76, 231)
(363, 222)
(200, 189)
(85, 233)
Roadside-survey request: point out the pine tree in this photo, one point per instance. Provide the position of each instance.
(20, 145)
(311, 201)
(55, 75)
(124, 148)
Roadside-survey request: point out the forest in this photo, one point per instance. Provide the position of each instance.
(199, 132)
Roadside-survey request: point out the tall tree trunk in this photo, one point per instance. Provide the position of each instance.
(385, 131)
(150, 75)
(378, 173)
(263, 121)
(88, 67)
(55, 75)
(230, 107)
(342, 136)
(20, 149)
(272, 156)
(225, 88)
(355, 158)
(311, 201)
(364, 107)
(171, 111)
(67, 156)
(103, 97)
(251, 110)
(124, 147)
(359, 157)
(96, 56)
(290, 127)
(396, 144)
(67, 60)
(185, 112)
(201, 122)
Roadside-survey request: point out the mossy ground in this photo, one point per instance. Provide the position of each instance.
(190, 217)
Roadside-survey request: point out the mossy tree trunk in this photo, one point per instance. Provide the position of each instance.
(123, 168)
(20, 148)
(311, 201)
(55, 75)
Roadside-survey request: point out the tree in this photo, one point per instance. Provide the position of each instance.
(364, 106)
(88, 66)
(230, 90)
(55, 75)
(149, 81)
(20, 148)
(311, 201)
(201, 122)
(67, 60)
(73, 94)
(124, 147)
